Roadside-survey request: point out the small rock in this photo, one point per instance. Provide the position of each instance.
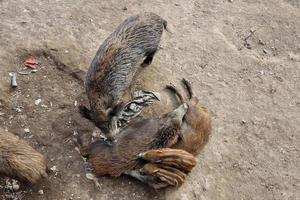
(90, 176)
(75, 103)
(177, 4)
(54, 168)
(1, 113)
(41, 192)
(248, 46)
(243, 122)
(235, 165)
(15, 185)
(261, 42)
(18, 109)
(37, 102)
(124, 8)
(26, 130)
(265, 51)
(230, 1)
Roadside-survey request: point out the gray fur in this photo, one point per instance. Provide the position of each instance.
(111, 72)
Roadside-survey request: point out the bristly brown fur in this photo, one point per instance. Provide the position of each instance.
(142, 135)
(19, 160)
(196, 127)
(111, 72)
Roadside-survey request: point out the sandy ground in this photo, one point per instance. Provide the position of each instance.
(242, 57)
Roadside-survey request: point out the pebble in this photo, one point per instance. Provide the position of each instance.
(54, 168)
(41, 192)
(26, 130)
(37, 102)
(15, 185)
(265, 51)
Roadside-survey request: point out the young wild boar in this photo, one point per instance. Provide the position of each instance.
(196, 127)
(144, 134)
(133, 43)
(168, 167)
(20, 161)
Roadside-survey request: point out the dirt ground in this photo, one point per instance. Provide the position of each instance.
(242, 57)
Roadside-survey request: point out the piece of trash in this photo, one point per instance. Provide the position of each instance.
(26, 130)
(44, 106)
(75, 103)
(37, 102)
(13, 78)
(243, 122)
(27, 72)
(31, 62)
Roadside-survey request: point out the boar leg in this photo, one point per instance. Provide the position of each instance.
(177, 158)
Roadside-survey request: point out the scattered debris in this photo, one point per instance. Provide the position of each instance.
(26, 130)
(203, 65)
(13, 77)
(12, 185)
(27, 72)
(252, 31)
(31, 62)
(90, 176)
(235, 165)
(41, 192)
(37, 101)
(261, 42)
(243, 122)
(54, 169)
(19, 108)
(246, 43)
(15, 185)
(44, 106)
